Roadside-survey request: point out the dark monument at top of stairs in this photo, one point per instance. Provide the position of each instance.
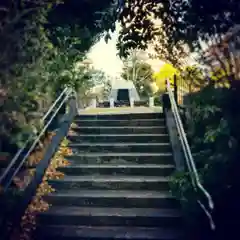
(122, 91)
(123, 95)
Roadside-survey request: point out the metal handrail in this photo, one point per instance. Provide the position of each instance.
(68, 93)
(188, 155)
(54, 104)
(30, 138)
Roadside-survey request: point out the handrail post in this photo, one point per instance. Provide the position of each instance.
(94, 103)
(175, 88)
(151, 101)
(165, 99)
(111, 102)
(131, 102)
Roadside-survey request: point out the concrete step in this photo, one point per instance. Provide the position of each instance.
(122, 122)
(64, 232)
(116, 169)
(119, 130)
(100, 216)
(118, 157)
(114, 138)
(117, 183)
(125, 116)
(120, 147)
(112, 198)
(111, 182)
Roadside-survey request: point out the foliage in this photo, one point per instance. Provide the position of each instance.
(204, 19)
(193, 78)
(39, 53)
(222, 59)
(99, 77)
(214, 135)
(66, 70)
(137, 26)
(40, 49)
(95, 85)
(140, 73)
(167, 71)
(106, 89)
(174, 54)
(84, 20)
(215, 142)
(23, 46)
(184, 22)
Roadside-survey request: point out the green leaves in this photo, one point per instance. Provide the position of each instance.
(140, 73)
(85, 20)
(222, 130)
(39, 42)
(183, 22)
(215, 151)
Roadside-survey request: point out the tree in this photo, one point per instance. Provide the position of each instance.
(107, 87)
(193, 78)
(24, 47)
(140, 73)
(174, 54)
(137, 27)
(86, 20)
(37, 44)
(167, 71)
(182, 21)
(215, 134)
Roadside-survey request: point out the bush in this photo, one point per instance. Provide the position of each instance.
(214, 142)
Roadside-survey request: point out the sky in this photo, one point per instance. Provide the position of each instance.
(104, 56)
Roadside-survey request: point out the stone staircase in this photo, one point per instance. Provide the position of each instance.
(116, 186)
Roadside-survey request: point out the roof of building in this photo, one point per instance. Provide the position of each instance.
(122, 84)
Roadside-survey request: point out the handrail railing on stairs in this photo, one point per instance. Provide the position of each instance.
(197, 185)
(6, 180)
(21, 156)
